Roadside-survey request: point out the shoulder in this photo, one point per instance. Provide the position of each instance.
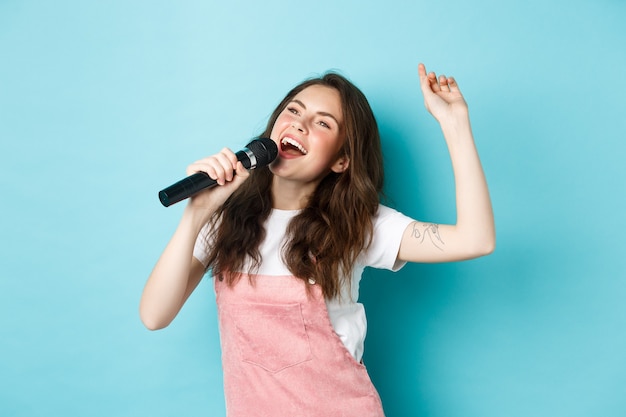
(387, 217)
(388, 228)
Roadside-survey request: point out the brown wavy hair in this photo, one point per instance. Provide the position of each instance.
(325, 238)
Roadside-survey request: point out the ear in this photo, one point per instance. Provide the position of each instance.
(342, 163)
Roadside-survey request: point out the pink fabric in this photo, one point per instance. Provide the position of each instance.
(281, 356)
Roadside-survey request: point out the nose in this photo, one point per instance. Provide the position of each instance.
(298, 126)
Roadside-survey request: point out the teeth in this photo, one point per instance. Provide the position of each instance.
(295, 144)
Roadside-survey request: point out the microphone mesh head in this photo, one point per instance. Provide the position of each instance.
(264, 149)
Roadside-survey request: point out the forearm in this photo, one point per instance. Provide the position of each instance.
(475, 222)
(173, 276)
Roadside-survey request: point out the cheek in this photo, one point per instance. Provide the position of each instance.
(280, 123)
(332, 143)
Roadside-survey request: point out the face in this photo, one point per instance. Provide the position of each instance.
(310, 134)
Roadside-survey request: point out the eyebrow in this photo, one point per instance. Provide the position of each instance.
(321, 113)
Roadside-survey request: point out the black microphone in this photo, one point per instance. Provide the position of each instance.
(258, 153)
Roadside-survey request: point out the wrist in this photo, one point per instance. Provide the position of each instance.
(196, 217)
(457, 120)
(458, 134)
(457, 127)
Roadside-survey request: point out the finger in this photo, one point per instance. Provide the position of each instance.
(241, 172)
(443, 83)
(226, 164)
(421, 70)
(219, 167)
(210, 166)
(425, 82)
(230, 157)
(454, 87)
(434, 85)
(225, 156)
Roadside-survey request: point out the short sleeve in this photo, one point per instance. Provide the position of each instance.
(201, 249)
(389, 227)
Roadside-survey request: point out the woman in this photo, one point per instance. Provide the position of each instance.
(288, 243)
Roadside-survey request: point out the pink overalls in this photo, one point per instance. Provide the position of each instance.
(282, 357)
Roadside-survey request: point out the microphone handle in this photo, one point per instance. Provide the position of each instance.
(199, 181)
(185, 188)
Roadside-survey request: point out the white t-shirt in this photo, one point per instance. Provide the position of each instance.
(346, 314)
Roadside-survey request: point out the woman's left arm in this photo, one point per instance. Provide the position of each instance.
(473, 235)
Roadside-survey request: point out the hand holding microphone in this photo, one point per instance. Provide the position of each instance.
(258, 153)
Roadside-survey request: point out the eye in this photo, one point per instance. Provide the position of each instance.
(292, 110)
(324, 124)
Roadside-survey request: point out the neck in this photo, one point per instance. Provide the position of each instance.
(291, 195)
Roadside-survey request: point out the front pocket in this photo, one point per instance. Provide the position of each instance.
(272, 336)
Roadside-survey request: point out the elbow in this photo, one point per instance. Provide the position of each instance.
(151, 321)
(481, 247)
(152, 326)
(486, 246)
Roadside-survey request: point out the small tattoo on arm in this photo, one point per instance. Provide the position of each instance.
(430, 230)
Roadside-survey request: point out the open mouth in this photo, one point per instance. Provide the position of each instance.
(292, 147)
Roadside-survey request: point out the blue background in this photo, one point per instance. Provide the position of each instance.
(102, 104)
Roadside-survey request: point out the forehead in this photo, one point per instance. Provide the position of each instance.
(319, 98)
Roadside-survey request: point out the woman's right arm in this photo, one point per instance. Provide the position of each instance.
(177, 273)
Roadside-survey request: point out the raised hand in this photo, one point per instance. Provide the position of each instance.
(442, 96)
